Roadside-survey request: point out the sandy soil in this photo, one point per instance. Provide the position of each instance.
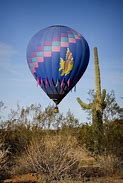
(32, 178)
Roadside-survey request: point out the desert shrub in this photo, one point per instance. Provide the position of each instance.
(113, 137)
(113, 141)
(109, 163)
(3, 157)
(3, 161)
(18, 135)
(84, 135)
(54, 156)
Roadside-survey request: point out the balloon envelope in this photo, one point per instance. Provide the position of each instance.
(57, 57)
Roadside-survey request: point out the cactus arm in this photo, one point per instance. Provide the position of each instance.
(83, 104)
(97, 74)
(103, 95)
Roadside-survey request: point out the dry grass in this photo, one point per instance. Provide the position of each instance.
(60, 157)
(55, 157)
(99, 180)
(108, 163)
(3, 157)
(32, 179)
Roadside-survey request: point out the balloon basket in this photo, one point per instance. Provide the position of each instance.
(56, 110)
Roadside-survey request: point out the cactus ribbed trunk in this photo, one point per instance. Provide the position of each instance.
(96, 107)
(97, 74)
(97, 113)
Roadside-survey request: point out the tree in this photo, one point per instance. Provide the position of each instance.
(111, 111)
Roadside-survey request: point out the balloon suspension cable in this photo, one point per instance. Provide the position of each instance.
(75, 88)
(56, 109)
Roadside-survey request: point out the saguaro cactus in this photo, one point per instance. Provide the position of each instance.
(96, 107)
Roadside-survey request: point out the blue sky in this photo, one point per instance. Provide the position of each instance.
(99, 21)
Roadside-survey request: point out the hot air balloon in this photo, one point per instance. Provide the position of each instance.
(57, 57)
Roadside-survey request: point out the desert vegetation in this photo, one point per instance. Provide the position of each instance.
(55, 147)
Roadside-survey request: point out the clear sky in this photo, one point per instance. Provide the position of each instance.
(99, 21)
